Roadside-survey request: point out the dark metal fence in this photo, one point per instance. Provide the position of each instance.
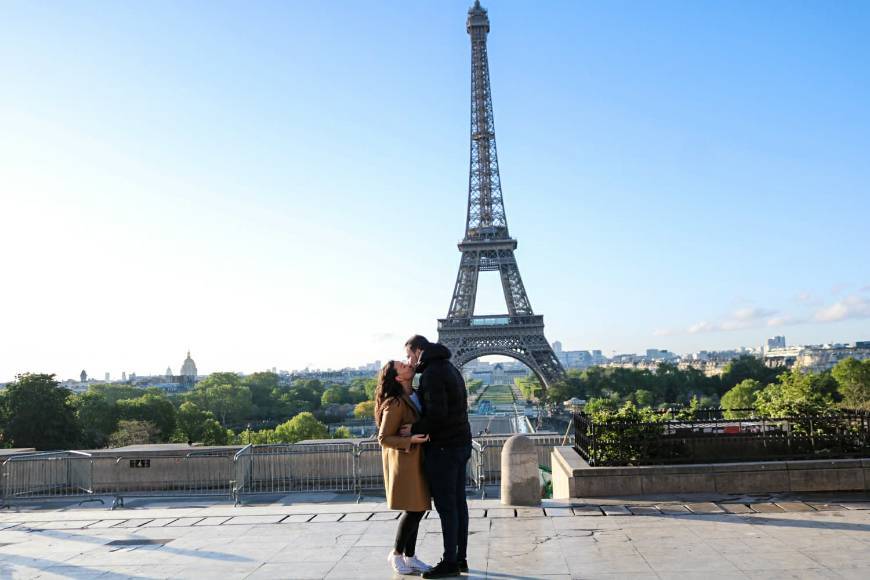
(713, 438)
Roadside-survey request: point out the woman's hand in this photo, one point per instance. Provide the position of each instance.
(419, 439)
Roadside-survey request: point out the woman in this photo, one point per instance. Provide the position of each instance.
(396, 404)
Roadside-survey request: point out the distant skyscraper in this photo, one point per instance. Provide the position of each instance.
(84, 376)
(557, 347)
(108, 377)
(168, 372)
(776, 342)
(124, 376)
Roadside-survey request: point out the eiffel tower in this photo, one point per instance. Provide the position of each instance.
(488, 247)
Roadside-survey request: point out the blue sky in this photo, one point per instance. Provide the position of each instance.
(283, 183)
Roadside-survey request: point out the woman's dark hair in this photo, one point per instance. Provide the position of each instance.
(387, 387)
(417, 342)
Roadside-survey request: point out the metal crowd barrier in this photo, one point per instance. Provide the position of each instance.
(335, 466)
(201, 473)
(288, 468)
(46, 475)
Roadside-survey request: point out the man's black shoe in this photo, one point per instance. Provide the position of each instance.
(463, 566)
(443, 569)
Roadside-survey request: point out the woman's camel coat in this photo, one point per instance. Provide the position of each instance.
(403, 463)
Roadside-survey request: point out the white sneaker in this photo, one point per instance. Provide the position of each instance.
(416, 564)
(397, 562)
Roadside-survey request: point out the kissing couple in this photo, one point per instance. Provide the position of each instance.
(426, 444)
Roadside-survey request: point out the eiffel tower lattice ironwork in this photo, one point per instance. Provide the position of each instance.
(487, 245)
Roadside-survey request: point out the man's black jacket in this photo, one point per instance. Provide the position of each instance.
(444, 399)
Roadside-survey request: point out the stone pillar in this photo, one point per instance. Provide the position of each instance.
(520, 482)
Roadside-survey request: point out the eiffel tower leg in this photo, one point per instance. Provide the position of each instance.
(465, 292)
(512, 284)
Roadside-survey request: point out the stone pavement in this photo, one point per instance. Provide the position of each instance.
(642, 538)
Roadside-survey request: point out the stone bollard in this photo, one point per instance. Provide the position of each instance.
(520, 482)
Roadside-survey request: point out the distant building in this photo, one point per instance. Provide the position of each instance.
(108, 377)
(123, 376)
(816, 358)
(84, 376)
(775, 342)
(188, 369)
(660, 354)
(577, 359)
(825, 357)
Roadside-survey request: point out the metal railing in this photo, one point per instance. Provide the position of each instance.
(335, 466)
(200, 473)
(46, 475)
(714, 438)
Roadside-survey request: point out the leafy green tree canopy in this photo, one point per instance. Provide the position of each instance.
(301, 427)
(151, 408)
(36, 412)
(97, 417)
(742, 396)
(134, 433)
(853, 382)
(364, 410)
(796, 393)
(748, 367)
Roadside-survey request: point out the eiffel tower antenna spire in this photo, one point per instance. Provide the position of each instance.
(487, 245)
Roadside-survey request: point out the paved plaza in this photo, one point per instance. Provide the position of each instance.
(772, 537)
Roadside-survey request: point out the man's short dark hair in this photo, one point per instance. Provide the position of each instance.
(417, 342)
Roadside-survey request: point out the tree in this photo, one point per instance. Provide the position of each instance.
(342, 433)
(223, 378)
(97, 418)
(134, 433)
(567, 387)
(334, 395)
(262, 386)
(364, 410)
(199, 426)
(307, 393)
(113, 392)
(747, 367)
(302, 426)
(795, 394)
(741, 396)
(157, 410)
(853, 382)
(361, 390)
(228, 402)
(644, 398)
(262, 437)
(36, 412)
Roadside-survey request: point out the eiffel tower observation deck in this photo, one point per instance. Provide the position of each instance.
(488, 246)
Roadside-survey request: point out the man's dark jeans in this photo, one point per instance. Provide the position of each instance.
(445, 470)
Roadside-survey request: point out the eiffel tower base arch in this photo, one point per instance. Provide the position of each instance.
(527, 345)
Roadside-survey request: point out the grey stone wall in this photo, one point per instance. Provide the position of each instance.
(573, 477)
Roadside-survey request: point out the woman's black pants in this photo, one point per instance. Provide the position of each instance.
(406, 536)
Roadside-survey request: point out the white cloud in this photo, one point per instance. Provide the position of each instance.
(751, 314)
(850, 307)
(702, 326)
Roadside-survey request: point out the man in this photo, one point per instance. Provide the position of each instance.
(445, 419)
